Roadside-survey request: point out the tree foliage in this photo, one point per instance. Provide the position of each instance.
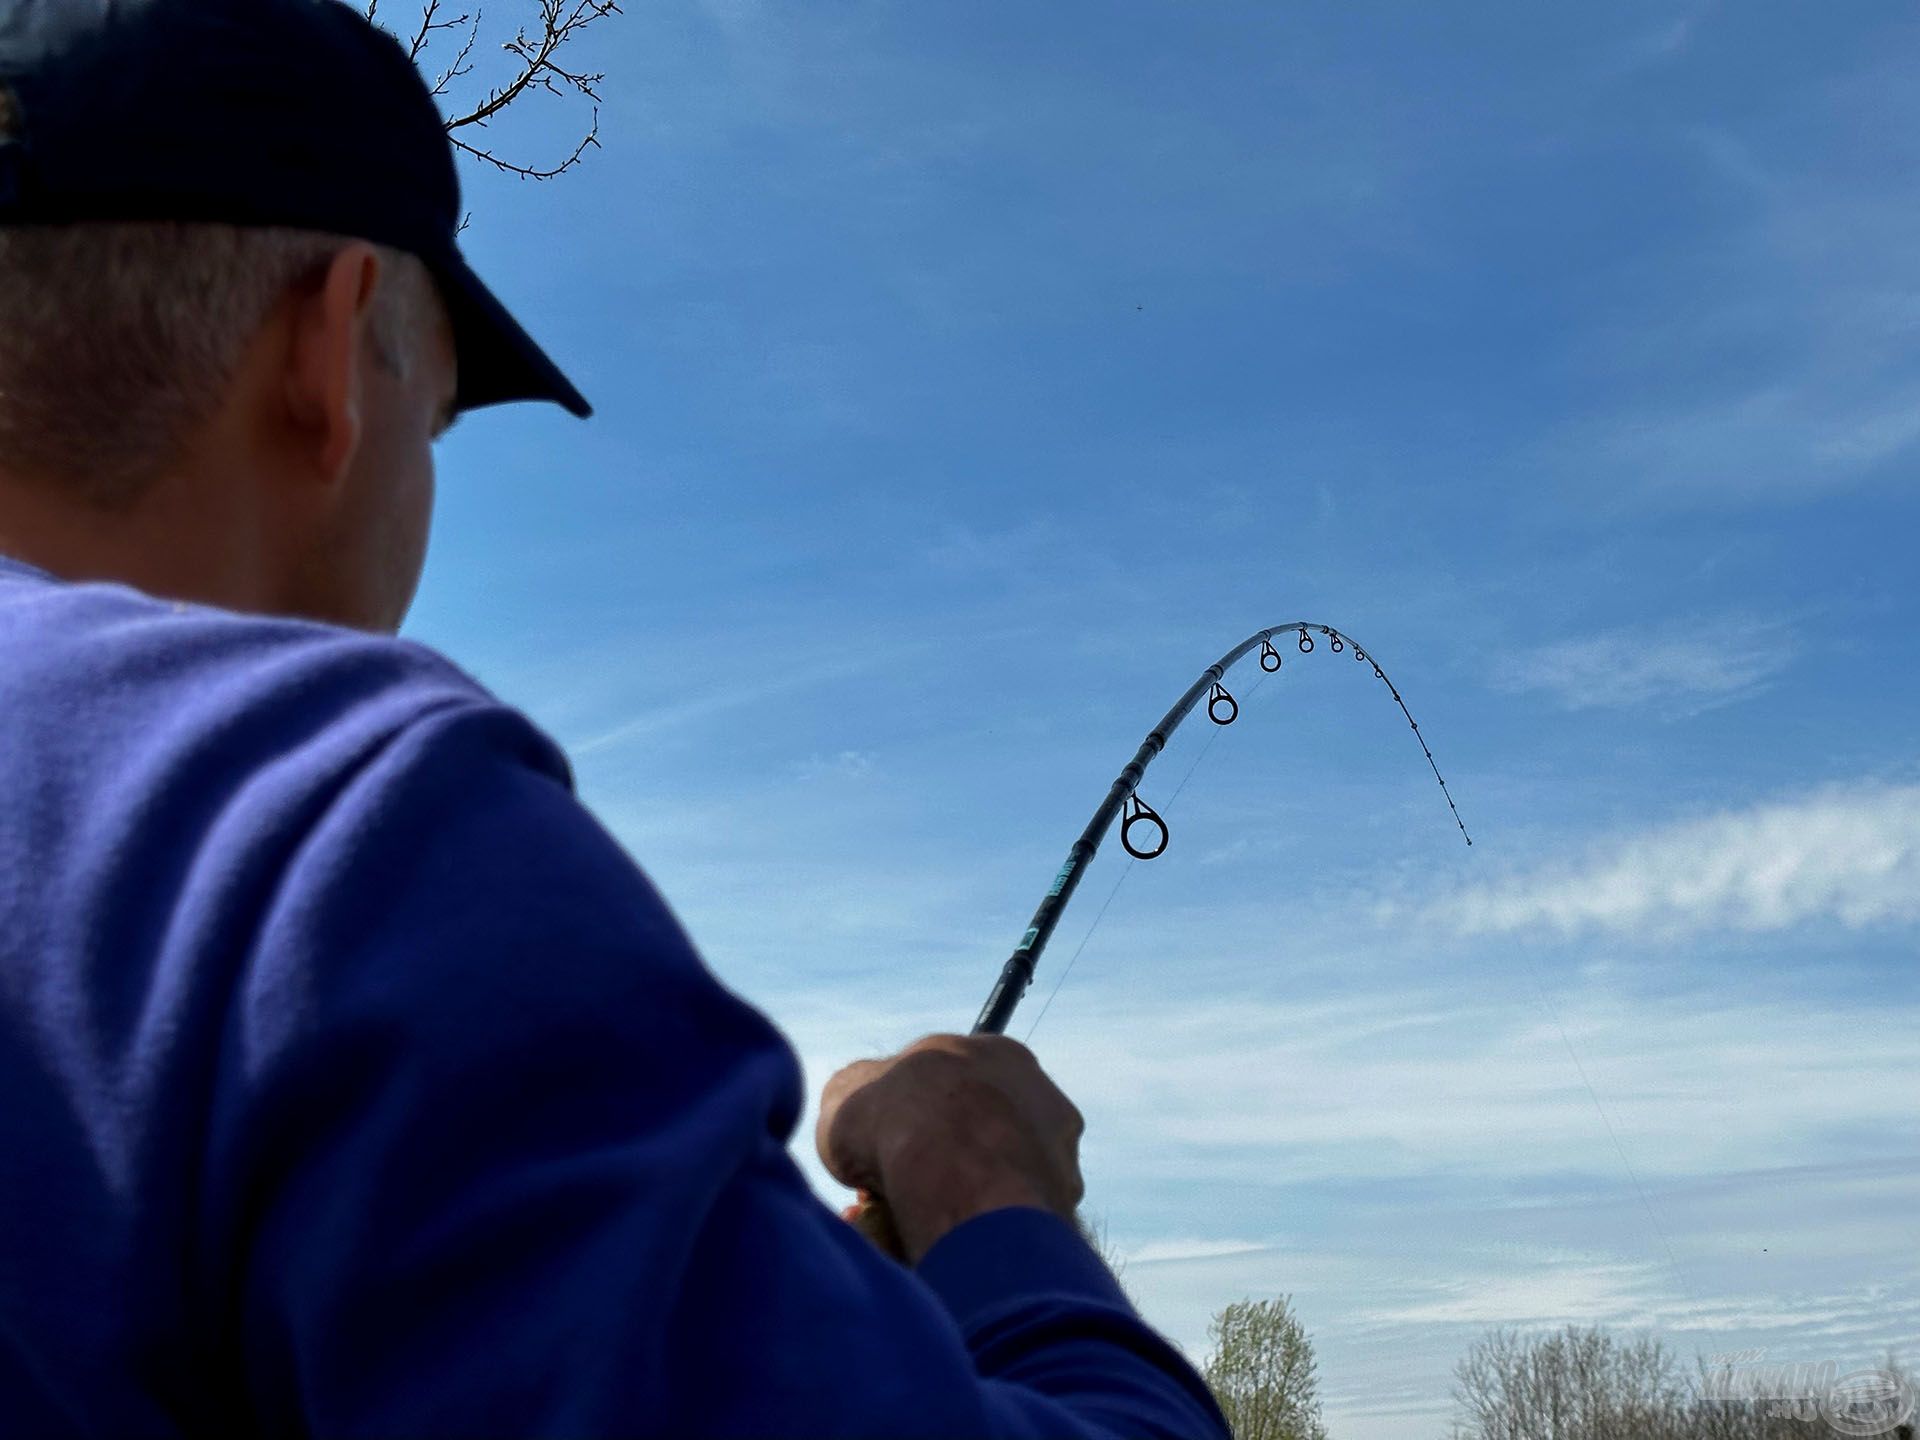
(1573, 1385)
(1262, 1372)
(1585, 1384)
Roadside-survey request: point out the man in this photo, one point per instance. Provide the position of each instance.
(352, 1081)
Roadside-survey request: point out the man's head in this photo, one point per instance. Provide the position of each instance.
(277, 389)
(233, 312)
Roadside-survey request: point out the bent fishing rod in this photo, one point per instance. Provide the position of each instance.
(870, 1213)
(1222, 709)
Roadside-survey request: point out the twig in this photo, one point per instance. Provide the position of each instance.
(459, 67)
(428, 25)
(536, 57)
(525, 172)
(560, 21)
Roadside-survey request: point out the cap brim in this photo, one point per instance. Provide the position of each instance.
(499, 361)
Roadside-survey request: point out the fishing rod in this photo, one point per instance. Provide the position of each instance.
(1017, 974)
(870, 1213)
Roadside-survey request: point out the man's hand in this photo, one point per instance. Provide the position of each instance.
(950, 1128)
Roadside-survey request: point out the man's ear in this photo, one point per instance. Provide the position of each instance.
(324, 378)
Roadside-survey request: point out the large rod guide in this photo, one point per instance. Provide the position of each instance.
(1017, 974)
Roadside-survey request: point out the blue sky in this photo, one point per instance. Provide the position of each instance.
(971, 376)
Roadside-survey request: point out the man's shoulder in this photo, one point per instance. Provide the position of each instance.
(109, 675)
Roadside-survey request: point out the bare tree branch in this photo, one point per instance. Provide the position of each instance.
(557, 27)
(535, 50)
(430, 23)
(459, 67)
(525, 172)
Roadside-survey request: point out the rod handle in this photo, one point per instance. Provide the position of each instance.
(1015, 976)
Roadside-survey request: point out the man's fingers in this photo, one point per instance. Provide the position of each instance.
(839, 1136)
(951, 1126)
(848, 1079)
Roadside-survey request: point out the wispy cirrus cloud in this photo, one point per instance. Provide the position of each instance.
(1845, 855)
(1785, 369)
(1176, 1251)
(845, 765)
(1687, 666)
(1778, 441)
(796, 676)
(1659, 45)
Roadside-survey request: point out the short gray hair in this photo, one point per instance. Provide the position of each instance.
(117, 341)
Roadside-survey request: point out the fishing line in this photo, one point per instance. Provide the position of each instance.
(1047, 1004)
(1222, 709)
(1017, 974)
(1606, 1121)
(1124, 794)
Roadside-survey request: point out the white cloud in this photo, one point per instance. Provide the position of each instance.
(847, 765)
(1247, 1102)
(1786, 371)
(1413, 1164)
(965, 550)
(1551, 1292)
(1845, 855)
(1777, 441)
(1663, 44)
(1692, 665)
(1874, 435)
(703, 695)
(1174, 1251)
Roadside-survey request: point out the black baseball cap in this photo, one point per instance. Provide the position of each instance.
(297, 113)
